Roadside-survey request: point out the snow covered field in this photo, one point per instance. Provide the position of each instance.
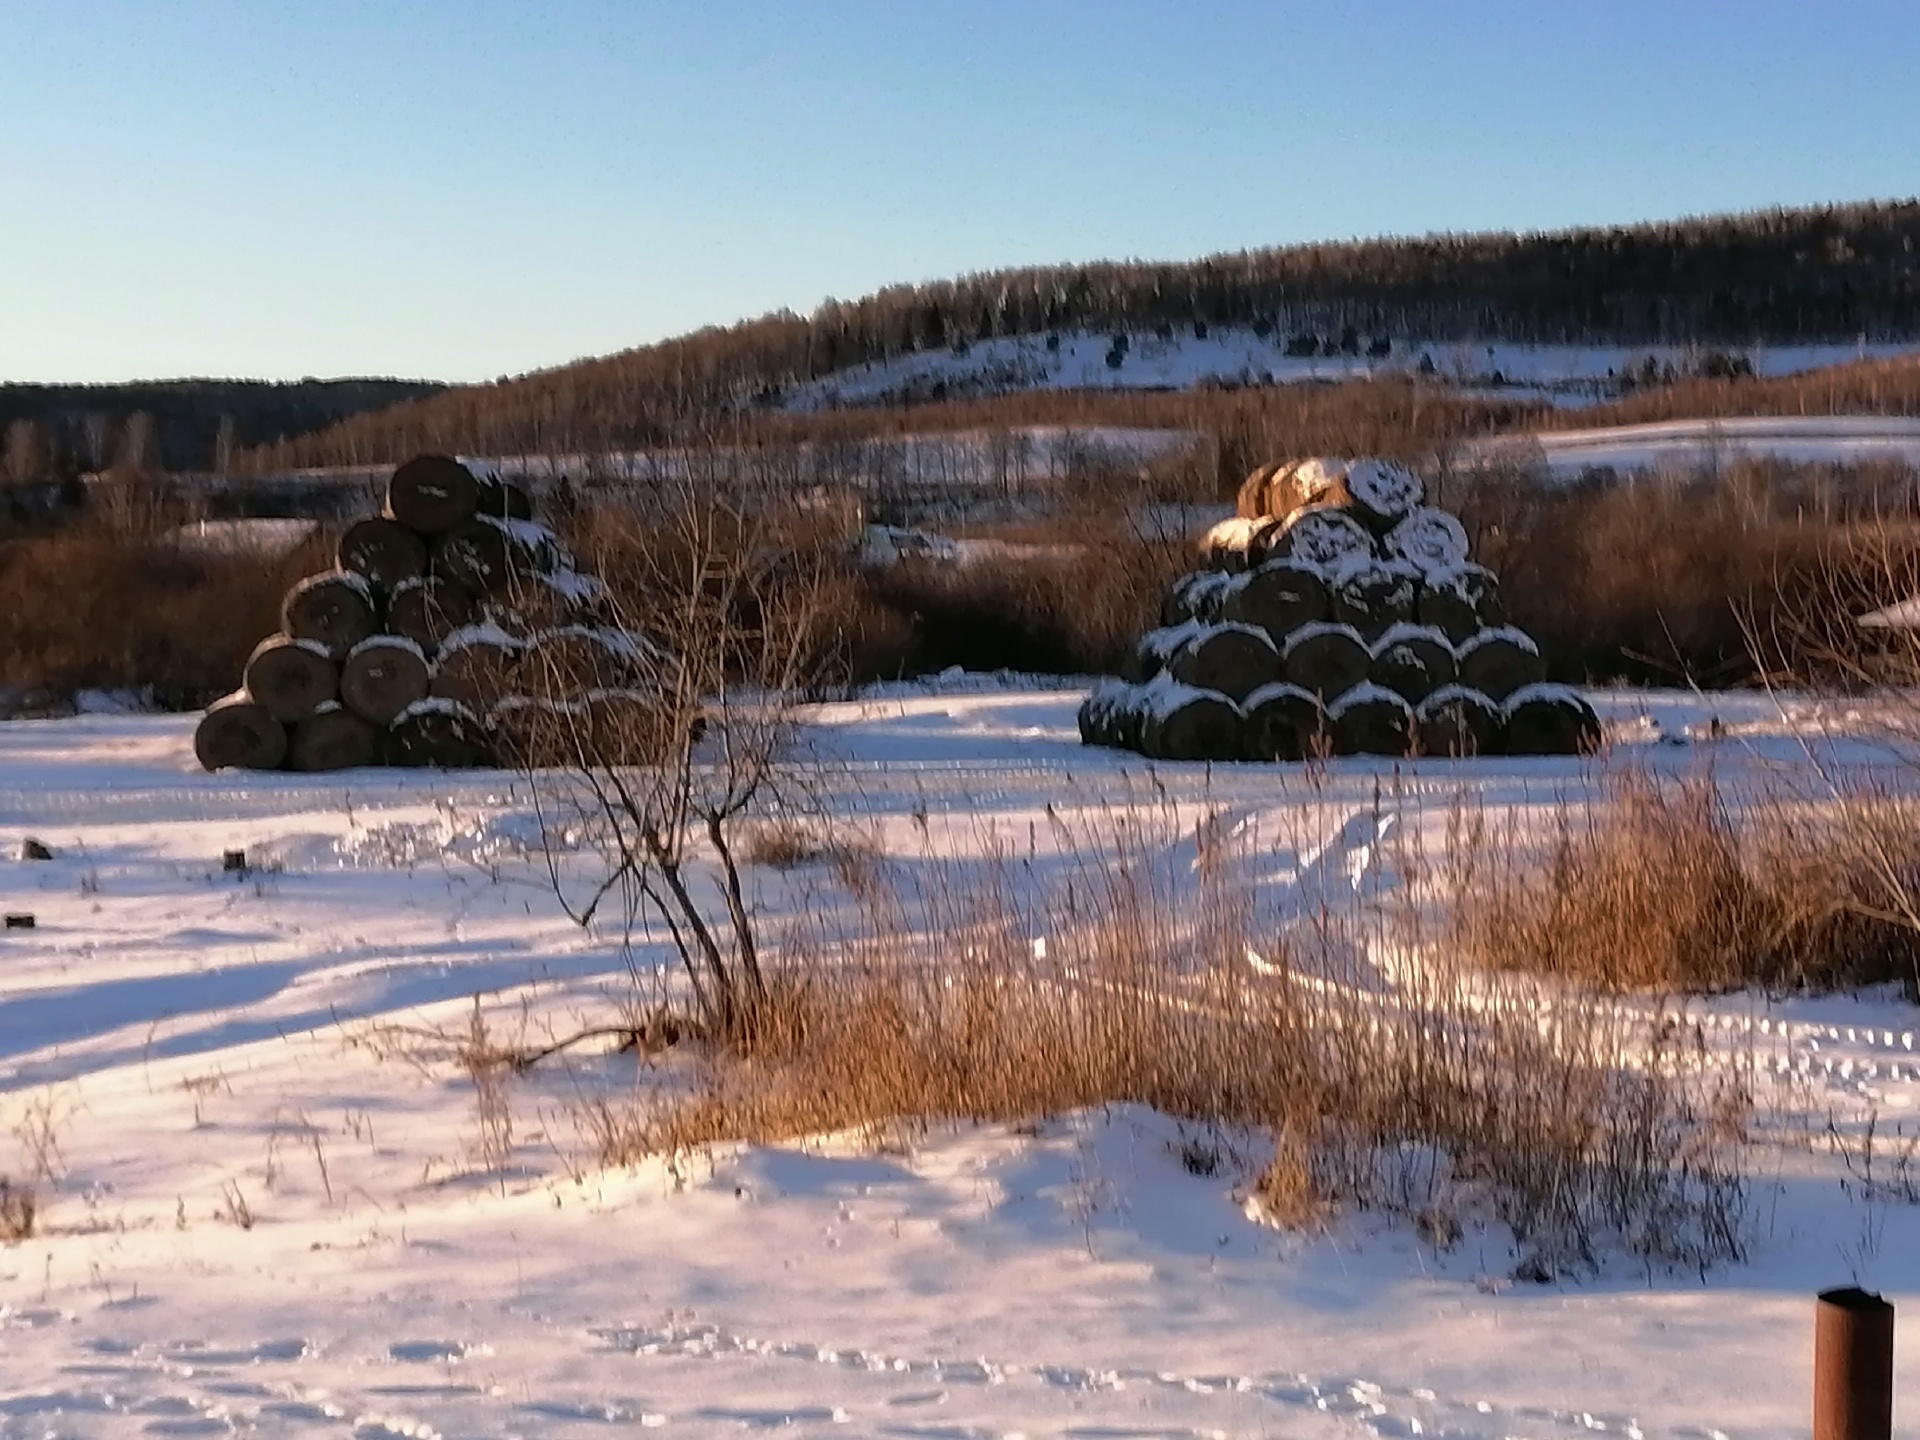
(276, 1210)
(1706, 444)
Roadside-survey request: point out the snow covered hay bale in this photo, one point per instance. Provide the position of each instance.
(1429, 540)
(382, 676)
(333, 738)
(432, 494)
(290, 678)
(1383, 493)
(1460, 600)
(1234, 660)
(440, 733)
(1499, 661)
(383, 552)
(1278, 597)
(1413, 661)
(1321, 536)
(237, 733)
(1326, 659)
(545, 602)
(1550, 720)
(501, 499)
(476, 667)
(1180, 722)
(428, 609)
(1225, 546)
(1368, 720)
(335, 609)
(486, 555)
(1155, 650)
(1113, 715)
(1197, 596)
(1372, 595)
(573, 660)
(1283, 722)
(1457, 724)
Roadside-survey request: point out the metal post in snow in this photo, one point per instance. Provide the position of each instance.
(1852, 1366)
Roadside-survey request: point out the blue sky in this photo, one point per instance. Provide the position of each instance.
(460, 190)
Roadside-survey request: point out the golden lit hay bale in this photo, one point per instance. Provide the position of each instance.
(1283, 722)
(1180, 722)
(1234, 660)
(1459, 600)
(432, 494)
(1197, 596)
(1251, 502)
(1372, 595)
(382, 676)
(1321, 536)
(1384, 493)
(1326, 659)
(1550, 720)
(1457, 723)
(1412, 661)
(236, 733)
(1429, 540)
(1368, 720)
(438, 732)
(1318, 480)
(1278, 597)
(289, 678)
(476, 667)
(383, 552)
(335, 609)
(1225, 546)
(1499, 661)
(333, 738)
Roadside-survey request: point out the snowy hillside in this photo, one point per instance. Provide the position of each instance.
(1706, 444)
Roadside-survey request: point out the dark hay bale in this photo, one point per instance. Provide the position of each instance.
(1321, 536)
(333, 738)
(1234, 660)
(1383, 492)
(383, 552)
(488, 556)
(1461, 601)
(1550, 720)
(1278, 597)
(289, 678)
(236, 733)
(604, 727)
(572, 660)
(1197, 596)
(1113, 715)
(1155, 650)
(1283, 722)
(1457, 723)
(439, 733)
(502, 499)
(1181, 723)
(428, 609)
(1429, 540)
(1251, 502)
(476, 668)
(1373, 596)
(382, 676)
(335, 609)
(432, 494)
(1326, 659)
(547, 602)
(1413, 661)
(1499, 661)
(1370, 721)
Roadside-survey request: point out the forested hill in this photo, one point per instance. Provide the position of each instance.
(60, 430)
(1774, 277)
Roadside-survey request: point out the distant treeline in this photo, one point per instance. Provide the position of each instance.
(1772, 277)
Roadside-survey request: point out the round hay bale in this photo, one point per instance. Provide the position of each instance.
(1112, 716)
(1251, 501)
(547, 602)
(1373, 596)
(488, 556)
(1234, 660)
(476, 668)
(1459, 600)
(438, 732)
(1283, 722)
(502, 499)
(1322, 536)
(335, 609)
(1319, 480)
(382, 676)
(1457, 724)
(383, 552)
(1429, 540)
(1196, 596)
(237, 733)
(1550, 720)
(289, 678)
(1225, 546)
(632, 727)
(1278, 597)
(428, 609)
(1499, 661)
(1383, 492)
(432, 494)
(568, 661)
(1368, 720)
(1153, 651)
(1413, 661)
(333, 738)
(1180, 722)
(1326, 659)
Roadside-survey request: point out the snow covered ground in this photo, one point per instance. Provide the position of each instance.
(1688, 445)
(275, 1207)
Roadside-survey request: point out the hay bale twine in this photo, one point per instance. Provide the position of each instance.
(333, 738)
(1181, 722)
(1500, 660)
(1550, 720)
(428, 609)
(1278, 597)
(1233, 660)
(1457, 724)
(1459, 599)
(1429, 540)
(1384, 493)
(1322, 536)
(1413, 661)
(382, 676)
(1251, 501)
(432, 494)
(238, 733)
(1368, 720)
(1372, 595)
(1197, 596)
(487, 556)
(1326, 659)
(476, 667)
(1318, 480)
(383, 552)
(438, 732)
(290, 678)
(335, 609)
(1283, 722)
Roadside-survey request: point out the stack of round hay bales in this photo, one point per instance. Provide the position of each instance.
(455, 631)
(1337, 614)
